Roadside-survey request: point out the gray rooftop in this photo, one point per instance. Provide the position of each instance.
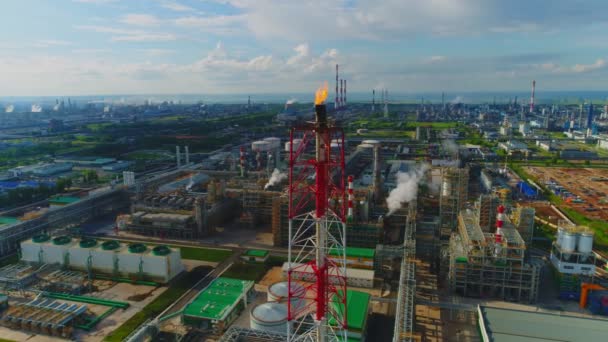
(506, 325)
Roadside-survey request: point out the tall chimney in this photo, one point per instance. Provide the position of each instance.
(242, 160)
(337, 103)
(344, 93)
(178, 157)
(187, 151)
(341, 101)
(373, 100)
(532, 98)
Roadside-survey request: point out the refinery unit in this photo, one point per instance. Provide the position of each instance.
(349, 231)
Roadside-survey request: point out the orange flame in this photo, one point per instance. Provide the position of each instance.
(321, 94)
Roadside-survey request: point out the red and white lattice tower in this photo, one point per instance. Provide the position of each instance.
(242, 161)
(317, 230)
(337, 103)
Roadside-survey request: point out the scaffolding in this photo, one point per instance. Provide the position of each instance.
(404, 318)
(486, 212)
(238, 334)
(523, 219)
(453, 196)
(481, 267)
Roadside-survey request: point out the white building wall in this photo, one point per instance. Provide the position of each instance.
(30, 251)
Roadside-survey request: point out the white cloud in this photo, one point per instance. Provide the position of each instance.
(51, 43)
(555, 68)
(140, 20)
(95, 1)
(599, 64)
(221, 24)
(145, 37)
(436, 59)
(175, 6)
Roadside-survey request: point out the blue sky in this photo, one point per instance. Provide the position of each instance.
(89, 47)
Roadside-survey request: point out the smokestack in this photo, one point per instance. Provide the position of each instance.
(242, 160)
(344, 93)
(500, 217)
(178, 157)
(532, 98)
(350, 198)
(187, 151)
(337, 103)
(374, 100)
(590, 115)
(377, 174)
(341, 93)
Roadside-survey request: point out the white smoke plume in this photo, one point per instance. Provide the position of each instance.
(276, 177)
(457, 99)
(450, 146)
(9, 109)
(36, 108)
(291, 101)
(407, 188)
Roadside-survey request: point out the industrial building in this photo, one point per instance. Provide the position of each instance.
(572, 251)
(44, 316)
(506, 325)
(357, 307)
(138, 261)
(484, 265)
(219, 304)
(453, 196)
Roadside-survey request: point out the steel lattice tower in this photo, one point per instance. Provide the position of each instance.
(317, 229)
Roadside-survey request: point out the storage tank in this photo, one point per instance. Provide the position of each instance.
(569, 241)
(560, 235)
(296, 144)
(374, 143)
(585, 242)
(130, 259)
(277, 292)
(274, 142)
(271, 316)
(260, 146)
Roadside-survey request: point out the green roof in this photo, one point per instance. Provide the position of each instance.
(7, 220)
(64, 200)
(357, 303)
(356, 252)
(217, 300)
(258, 253)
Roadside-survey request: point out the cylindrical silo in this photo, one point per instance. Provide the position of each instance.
(271, 316)
(277, 292)
(569, 241)
(585, 242)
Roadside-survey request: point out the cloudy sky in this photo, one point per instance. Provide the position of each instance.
(88, 47)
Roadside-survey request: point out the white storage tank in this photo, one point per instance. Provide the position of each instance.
(271, 316)
(585, 242)
(560, 235)
(374, 143)
(569, 241)
(277, 292)
(296, 145)
(260, 146)
(274, 142)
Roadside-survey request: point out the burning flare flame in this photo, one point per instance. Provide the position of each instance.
(321, 94)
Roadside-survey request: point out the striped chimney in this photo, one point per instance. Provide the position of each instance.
(500, 217)
(242, 159)
(350, 197)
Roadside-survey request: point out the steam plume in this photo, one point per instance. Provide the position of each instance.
(407, 188)
(36, 108)
(10, 108)
(450, 146)
(457, 100)
(276, 177)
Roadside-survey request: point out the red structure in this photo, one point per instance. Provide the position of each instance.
(317, 229)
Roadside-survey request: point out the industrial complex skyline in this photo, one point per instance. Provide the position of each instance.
(240, 46)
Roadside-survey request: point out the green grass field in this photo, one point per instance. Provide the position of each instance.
(246, 271)
(205, 254)
(175, 290)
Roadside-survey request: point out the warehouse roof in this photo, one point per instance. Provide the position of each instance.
(355, 252)
(7, 220)
(218, 299)
(357, 303)
(258, 253)
(505, 325)
(64, 199)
